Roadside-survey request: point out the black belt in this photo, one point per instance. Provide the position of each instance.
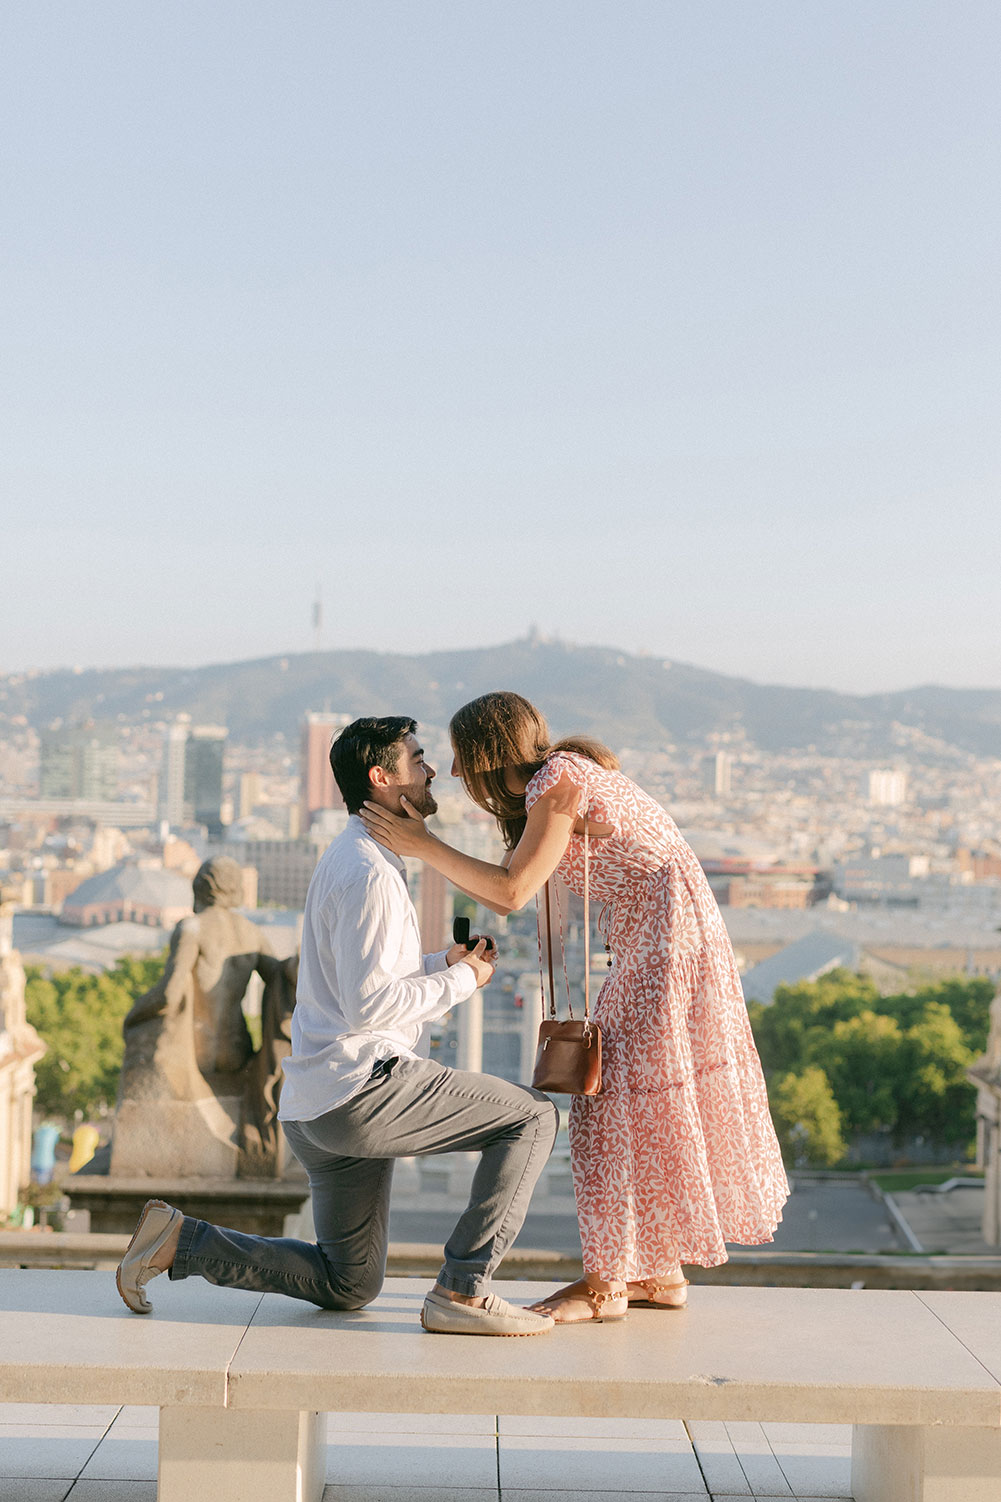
(383, 1067)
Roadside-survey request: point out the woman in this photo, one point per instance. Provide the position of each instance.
(677, 1155)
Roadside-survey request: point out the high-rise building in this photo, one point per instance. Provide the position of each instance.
(79, 761)
(203, 776)
(191, 783)
(283, 868)
(887, 787)
(319, 790)
(716, 771)
(172, 778)
(250, 793)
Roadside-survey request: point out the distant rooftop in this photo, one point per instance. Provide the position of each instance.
(805, 960)
(41, 937)
(150, 888)
(970, 921)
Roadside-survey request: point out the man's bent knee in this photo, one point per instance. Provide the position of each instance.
(345, 1301)
(546, 1113)
(347, 1293)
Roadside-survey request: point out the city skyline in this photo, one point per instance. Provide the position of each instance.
(664, 326)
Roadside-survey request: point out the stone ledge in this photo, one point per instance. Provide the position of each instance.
(75, 1249)
(257, 1206)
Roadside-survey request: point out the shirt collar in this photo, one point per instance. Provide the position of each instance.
(388, 855)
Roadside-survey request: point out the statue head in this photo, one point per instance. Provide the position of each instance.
(218, 883)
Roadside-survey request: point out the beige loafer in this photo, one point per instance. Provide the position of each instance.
(443, 1316)
(156, 1223)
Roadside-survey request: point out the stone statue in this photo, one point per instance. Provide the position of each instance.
(185, 1083)
(991, 1060)
(985, 1074)
(20, 1050)
(11, 969)
(261, 1143)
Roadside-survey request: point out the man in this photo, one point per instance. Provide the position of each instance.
(361, 1091)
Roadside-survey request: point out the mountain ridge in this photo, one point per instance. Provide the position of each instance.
(640, 701)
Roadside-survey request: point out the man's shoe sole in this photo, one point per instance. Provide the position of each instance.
(149, 1205)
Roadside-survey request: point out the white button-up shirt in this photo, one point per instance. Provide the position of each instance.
(365, 992)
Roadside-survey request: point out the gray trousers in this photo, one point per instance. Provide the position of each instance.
(410, 1108)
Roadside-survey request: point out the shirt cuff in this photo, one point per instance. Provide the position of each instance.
(466, 976)
(433, 963)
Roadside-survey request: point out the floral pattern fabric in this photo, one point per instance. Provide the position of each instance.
(678, 1154)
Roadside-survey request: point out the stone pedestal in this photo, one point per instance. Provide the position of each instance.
(280, 1456)
(257, 1206)
(987, 1078)
(20, 1050)
(169, 1139)
(905, 1463)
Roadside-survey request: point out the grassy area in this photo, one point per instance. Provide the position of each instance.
(908, 1178)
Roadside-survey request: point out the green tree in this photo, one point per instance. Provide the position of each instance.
(80, 1017)
(781, 1029)
(895, 1063)
(863, 1057)
(937, 1100)
(967, 999)
(807, 1118)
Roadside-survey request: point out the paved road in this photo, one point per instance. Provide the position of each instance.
(820, 1216)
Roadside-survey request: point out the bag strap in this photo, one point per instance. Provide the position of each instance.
(549, 955)
(563, 945)
(549, 946)
(549, 936)
(587, 915)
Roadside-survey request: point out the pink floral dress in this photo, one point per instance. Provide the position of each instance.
(677, 1155)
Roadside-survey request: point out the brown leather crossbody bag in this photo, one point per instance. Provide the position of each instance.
(568, 1058)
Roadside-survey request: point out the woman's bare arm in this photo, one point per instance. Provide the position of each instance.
(503, 889)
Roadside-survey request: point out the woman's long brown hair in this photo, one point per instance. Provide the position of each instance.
(504, 731)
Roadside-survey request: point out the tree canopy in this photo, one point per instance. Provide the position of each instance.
(79, 1017)
(882, 1063)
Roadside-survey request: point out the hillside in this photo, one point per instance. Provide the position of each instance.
(630, 700)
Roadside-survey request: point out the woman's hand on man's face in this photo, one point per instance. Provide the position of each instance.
(403, 833)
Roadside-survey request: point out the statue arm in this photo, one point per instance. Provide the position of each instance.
(168, 992)
(266, 964)
(184, 950)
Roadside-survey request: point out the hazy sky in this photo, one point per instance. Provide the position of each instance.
(670, 326)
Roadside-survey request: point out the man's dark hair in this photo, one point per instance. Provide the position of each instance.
(362, 745)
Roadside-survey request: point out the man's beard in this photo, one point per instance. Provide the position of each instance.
(422, 799)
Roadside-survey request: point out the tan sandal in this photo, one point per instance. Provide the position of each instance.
(652, 1288)
(581, 1292)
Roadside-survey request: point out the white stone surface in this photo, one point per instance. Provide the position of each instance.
(114, 1491)
(410, 1423)
(378, 1477)
(31, 1489)
(440, 1461)
(757, 1460)
(224, 1456)
(718, 1460)
(68, 1336)
(373, 1491)
(87, 1414)
(54, 1452)
(789, 1354)
(587, 1428)
(762, 1357)
(904, 1464)
(123, 1455)
(585, 1465)
(975, 1319)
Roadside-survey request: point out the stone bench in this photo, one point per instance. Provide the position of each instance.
(242, 1379)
